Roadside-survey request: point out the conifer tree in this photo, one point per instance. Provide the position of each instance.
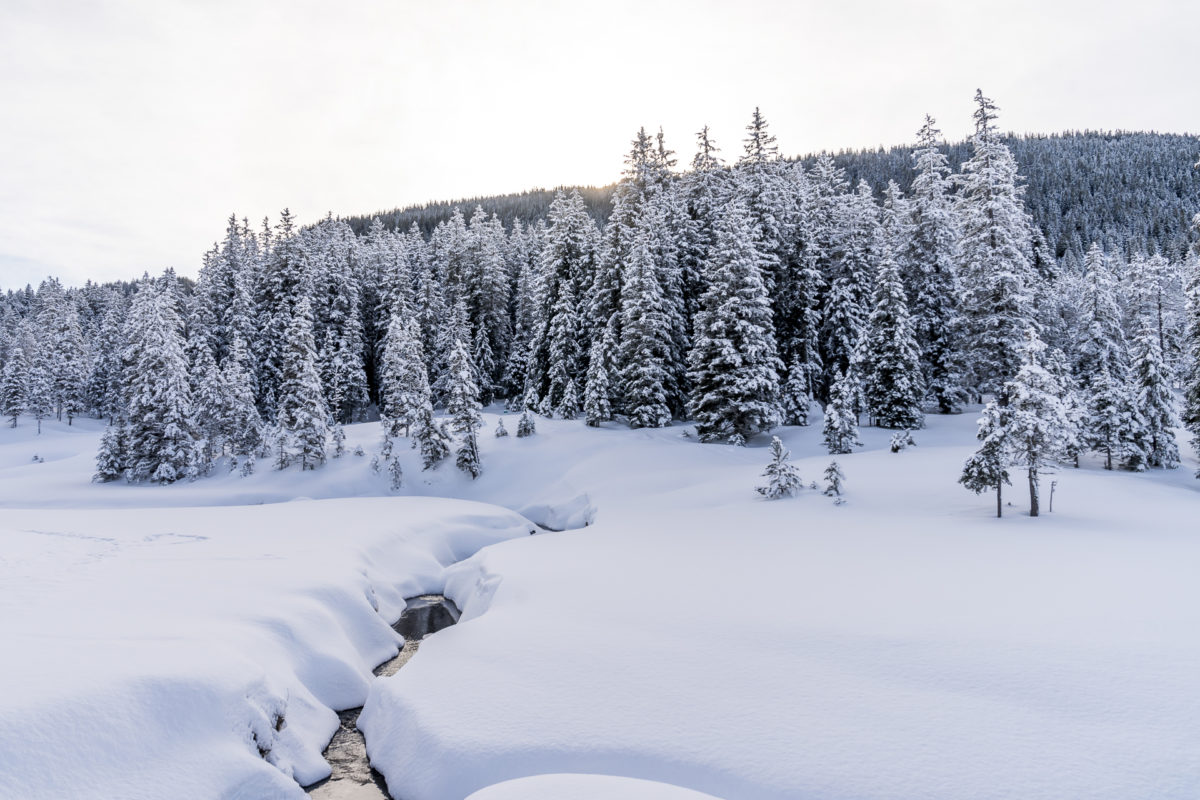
(1102, 339)
(734, 366)
(987, 468)
(931, 260)
(14, 384)
(404, 381)
(110, 460)
(1037, 428)
(840, 429)
(244, 431)
(1154, 432)
(644, 346)
(161, 440)
(596, 405)
(210, 408)
(431, 439)
(302, 412)
(463, 406)
(847, 302)
(894, 383)
(501, 431)
(526, 426)
(1110, 418)
(996, 255)
(1191, 383)
(782, 478)
(834, 478)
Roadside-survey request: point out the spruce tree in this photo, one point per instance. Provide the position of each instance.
(782, 478)
(302, 412)
(1191, 383)
(501, 431)
(644, 346)
(596, 405)
(987, 468)
(931, 260)
(404, 381)
(430, 438)
(111, 458)
(1154, 432)
(1110, 417)
(894, 383)
(995, 250)
(244, 431)
(840, 429)
(161, 441)
(14, 384)
(526, 426)
(1037, 428)
(834, 479)
(462, 404)
(734, 365)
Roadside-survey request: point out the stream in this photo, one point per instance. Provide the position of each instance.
(352, 777)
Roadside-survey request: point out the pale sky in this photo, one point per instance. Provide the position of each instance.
(130, 130)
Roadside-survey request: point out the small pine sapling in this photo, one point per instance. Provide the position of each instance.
(526, 426)
(397, 474)
(902, 440)
(782, 478)
(833, 481)
(501, 431)
(339, 439)
(737, 440)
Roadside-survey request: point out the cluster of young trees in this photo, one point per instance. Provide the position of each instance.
(735, 295)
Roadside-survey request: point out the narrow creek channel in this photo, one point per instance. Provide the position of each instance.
(352, 777)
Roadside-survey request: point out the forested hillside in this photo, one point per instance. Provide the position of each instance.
(1131, 192)
(735, 295)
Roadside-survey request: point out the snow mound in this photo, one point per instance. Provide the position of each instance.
(561, 515)
(585, 787)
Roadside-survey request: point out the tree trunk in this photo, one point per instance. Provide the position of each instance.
(1033, 492)
(999, 507)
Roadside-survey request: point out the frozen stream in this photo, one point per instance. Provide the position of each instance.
(352, 777)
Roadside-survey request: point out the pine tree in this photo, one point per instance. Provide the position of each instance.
(431, 439)
(847, 302)
(782, 478)
(894, 383)
(840, 429)
(987, 468)
(396, 472)
(245, 427)
(1110, 417)
(1037, 427)
(796, 394)
(526, 425)
(501, 431)
(111, 458)
(463, 406)
(1191, 383)
(1102, 339)
(404, 381)
(931, 260)
(210, 407)
(996, 255)
(14, 384)
(1154, 432)
(569, 407)
(161, 441)
(834, 478)
(734, 366)
(302, 412)
(644, 346)
(596, 405)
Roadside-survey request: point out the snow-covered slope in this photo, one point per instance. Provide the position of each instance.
(905, 644)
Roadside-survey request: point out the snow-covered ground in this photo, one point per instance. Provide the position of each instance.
(694, 636)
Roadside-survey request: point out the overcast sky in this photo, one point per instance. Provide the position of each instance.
(130, 130)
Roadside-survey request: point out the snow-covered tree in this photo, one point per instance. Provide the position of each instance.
(14, 384)
(931, 260)
(111, 458)
(1037, 427)
(987, 468)
(526, 426)
(995, 252)
(734, 366)
(840, 429)
(501, 431)
(404, 381)
(596, 405)
(431, 439)
(782, 478)
(894, 382)
(1154, 429)
(244, 428)
(160, 444)
(834, 479)
(645, 344)
(302, 412)
(1110, 418)
(463, 406)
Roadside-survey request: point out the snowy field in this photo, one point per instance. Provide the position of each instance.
(694, 640)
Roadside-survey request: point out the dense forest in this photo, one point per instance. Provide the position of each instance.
(1052, 278)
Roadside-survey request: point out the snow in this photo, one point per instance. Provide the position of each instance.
(693, 635)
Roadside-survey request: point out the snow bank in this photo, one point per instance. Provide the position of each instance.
(199, 652)
(905, 644)
(585, 787)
